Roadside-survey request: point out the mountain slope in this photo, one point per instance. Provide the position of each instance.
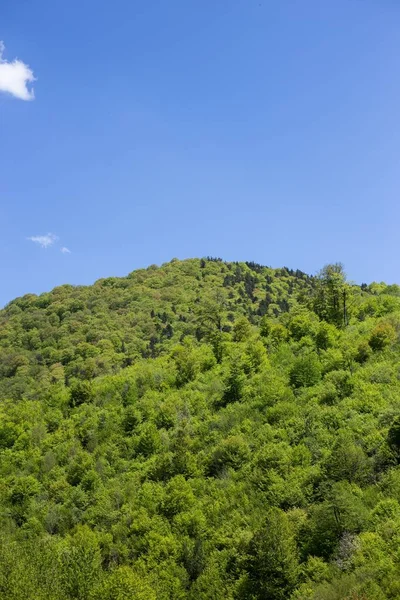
(201, 430)
(99, 329)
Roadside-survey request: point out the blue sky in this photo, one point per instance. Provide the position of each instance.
(251, 130)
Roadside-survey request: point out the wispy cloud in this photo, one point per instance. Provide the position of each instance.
(15, 77)
(44, 240)
(65, 250)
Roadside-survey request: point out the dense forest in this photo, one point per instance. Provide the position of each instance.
(201, 430)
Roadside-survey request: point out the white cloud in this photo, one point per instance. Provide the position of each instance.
(65, 250)
(14, 77)
(44, 240)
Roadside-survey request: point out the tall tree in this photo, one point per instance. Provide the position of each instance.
(273, 563)
(332, 295)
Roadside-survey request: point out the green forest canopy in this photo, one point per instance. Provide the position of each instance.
(201, 430)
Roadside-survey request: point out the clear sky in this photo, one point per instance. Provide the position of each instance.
(247, 129)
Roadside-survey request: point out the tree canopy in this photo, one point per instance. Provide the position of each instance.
(201, 430)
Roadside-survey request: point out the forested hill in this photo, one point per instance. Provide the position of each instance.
(82, 332)
(201, 430)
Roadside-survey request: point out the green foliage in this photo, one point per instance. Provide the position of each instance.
(394, 437)
(201, 430)
(381, 336)
(325, 336)
(272, 565)
(235, 383)
(230, 453)
(363, 352)
(347, 461)
(81, 563)
(125, 584)
(191, 360)
(241, 330)
(80, 393)
(301, 325)
(332, 295)
(306, 371)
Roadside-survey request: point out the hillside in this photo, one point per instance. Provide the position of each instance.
(201, 430)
